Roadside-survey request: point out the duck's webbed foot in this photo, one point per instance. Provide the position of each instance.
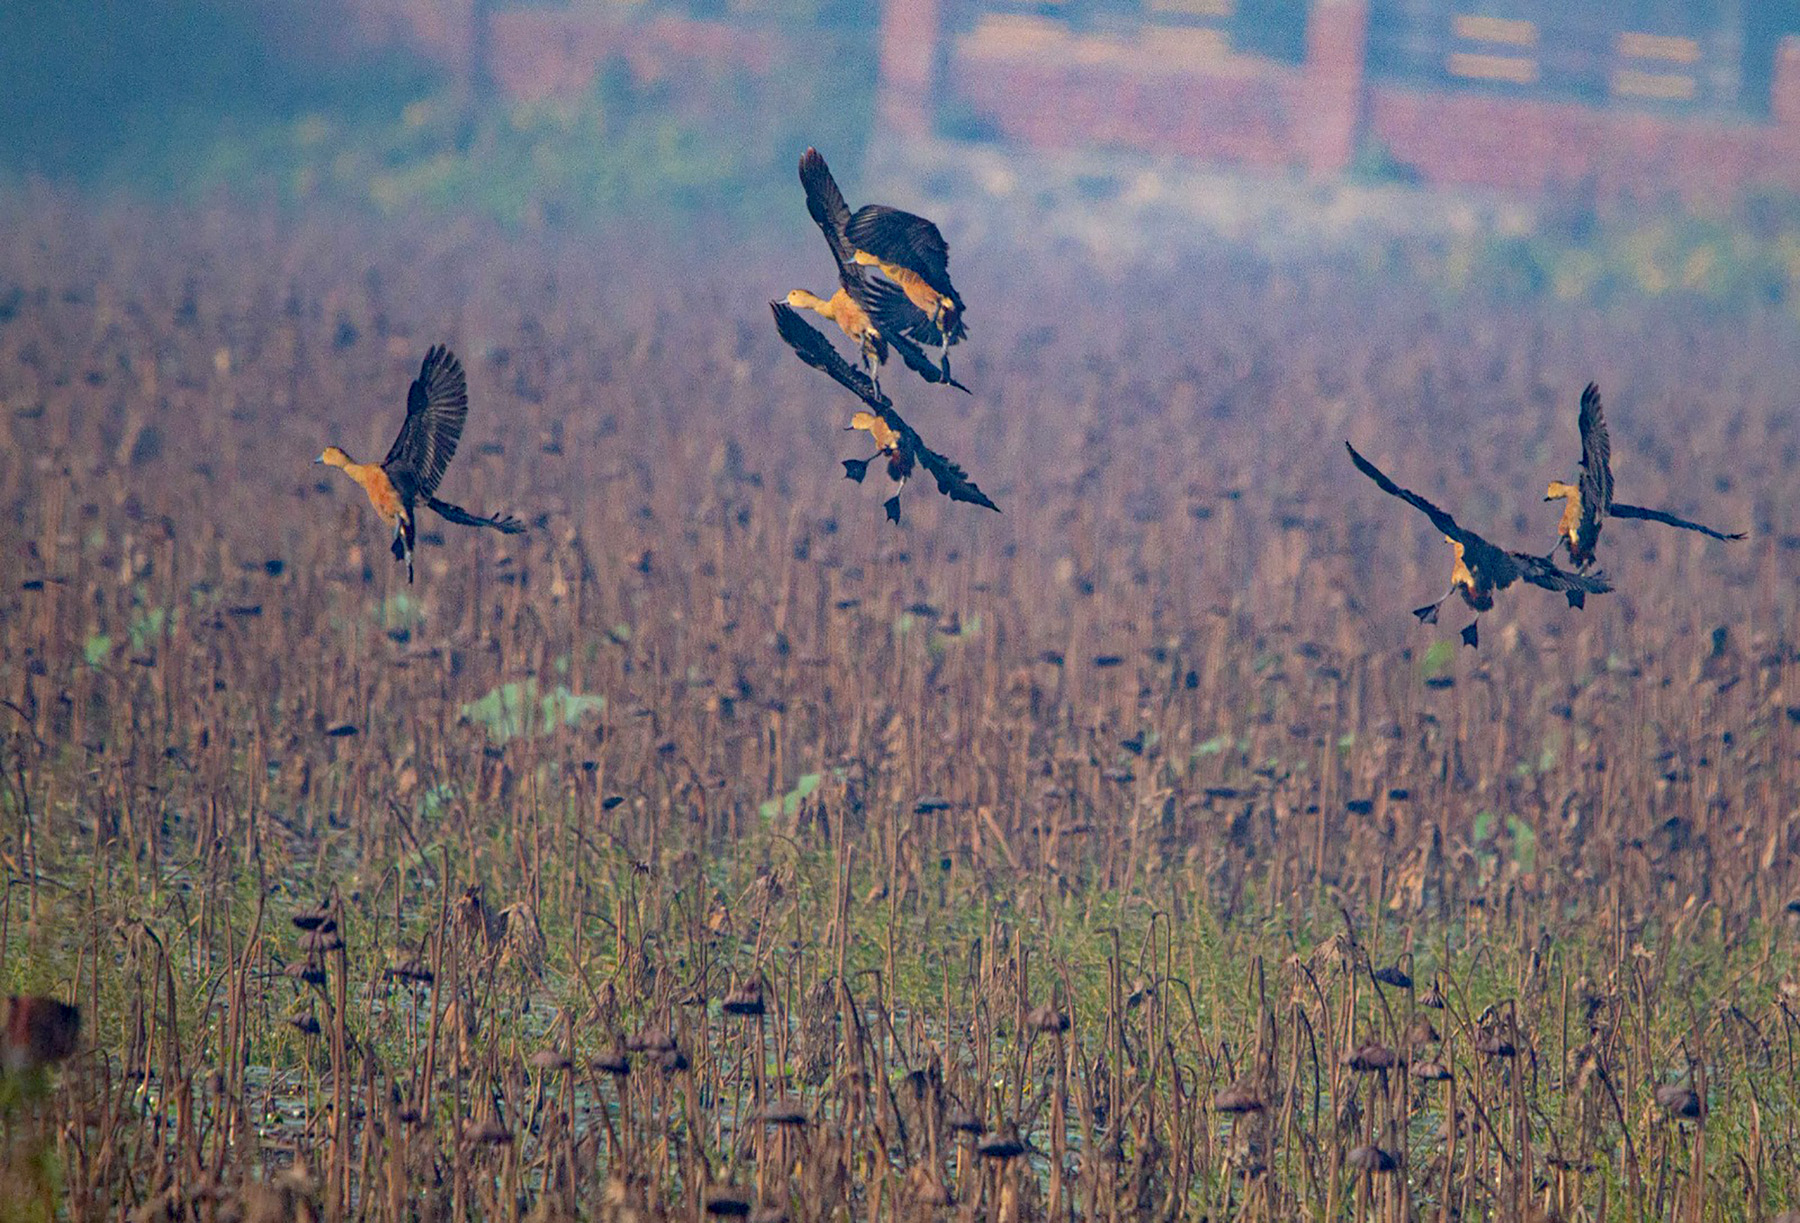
(1427, 614)
(1470, 637)
(1577, 598)
(403, 553)
(856, 469)
(892, 506)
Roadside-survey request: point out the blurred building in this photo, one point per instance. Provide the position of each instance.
(1634, 98)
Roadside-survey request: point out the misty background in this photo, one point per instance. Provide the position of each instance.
(417, 108)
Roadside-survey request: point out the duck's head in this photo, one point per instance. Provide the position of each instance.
(1559, 491)
(801, 299)
(333, 457)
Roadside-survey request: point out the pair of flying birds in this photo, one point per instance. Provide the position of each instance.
(909, 307)
(1483, 568)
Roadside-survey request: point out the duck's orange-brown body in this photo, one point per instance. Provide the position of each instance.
(1576, 528)
(1476, 592)
(911, 283)
(437, 403)
(840, 308)
(375, 482)
(1571, 516)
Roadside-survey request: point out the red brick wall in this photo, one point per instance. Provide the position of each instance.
(907, 88)
(1785, 96)
(1337, 33)
(1259, 112)
(1239, 117)
(535, 53)
(1531, 147)
(1234, 108)
(441, 30)
(325, 31)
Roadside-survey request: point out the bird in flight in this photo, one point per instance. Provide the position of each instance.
(1589, 501)
(893, 436)
(876, 314)
(436, 407)
(909, 250)
(1481, 567)
(900, 459)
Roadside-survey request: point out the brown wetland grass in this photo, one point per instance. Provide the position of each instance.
(718, 850)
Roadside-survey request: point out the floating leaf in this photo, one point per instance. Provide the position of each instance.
(1484, 826)
(146, 626)
(98, 649)
(1524, 839)
(402, 609)
(1439, 658)
(519, 709)
(788, 805)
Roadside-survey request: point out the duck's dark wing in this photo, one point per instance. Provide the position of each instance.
(506, 524)
(814, 349)
(899, 322)
(436, 407)
(1540, 572)
(894, 313)
(1439, 518)
(1638, 511)
(1596, 469)
(829, 211)
(904, 240)
(953, 481)
(1495, 564)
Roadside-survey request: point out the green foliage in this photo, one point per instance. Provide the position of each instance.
(401, 610)
(519, 709)
(1439, 659)
(1741, 257)
(1524, 841)
(108, 93)
(1374, 163)
(788, 805)
(147, 626)
(199, 99)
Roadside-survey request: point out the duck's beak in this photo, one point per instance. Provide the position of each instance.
(320, 459)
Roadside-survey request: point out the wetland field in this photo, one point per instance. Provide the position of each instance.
(718, 849)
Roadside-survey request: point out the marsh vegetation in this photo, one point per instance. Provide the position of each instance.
(717, 848)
